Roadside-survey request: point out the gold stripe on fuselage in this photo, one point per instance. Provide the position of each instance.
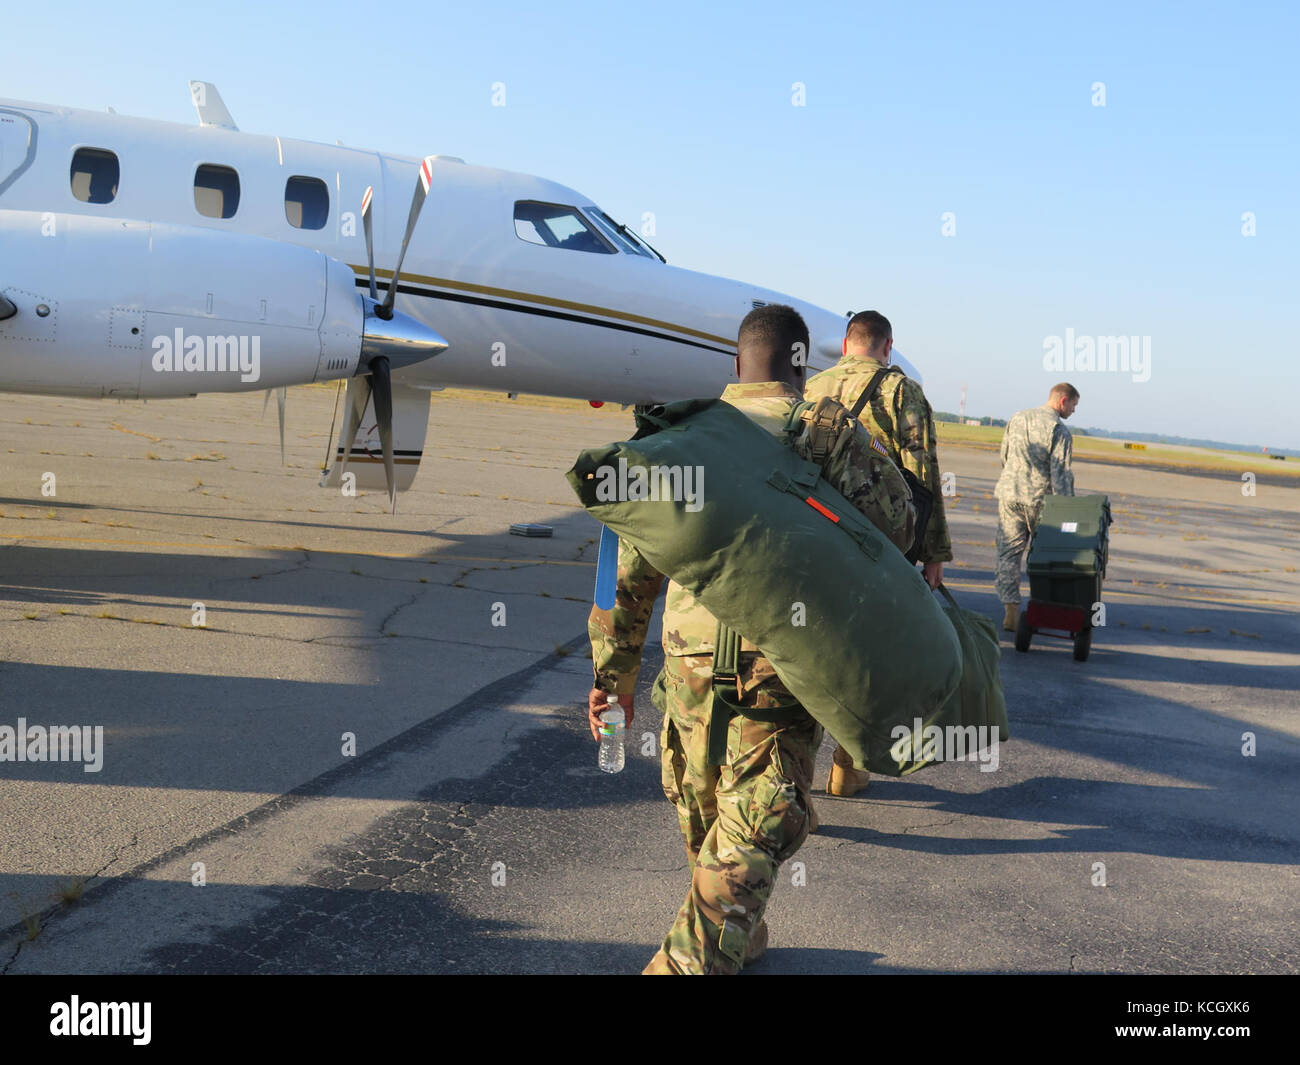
(548, 301)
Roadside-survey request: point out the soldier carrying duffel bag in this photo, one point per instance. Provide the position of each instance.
(744, 817)
(766, 547)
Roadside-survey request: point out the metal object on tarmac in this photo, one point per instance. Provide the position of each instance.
(528, 528)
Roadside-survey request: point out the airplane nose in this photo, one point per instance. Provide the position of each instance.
(402, 340)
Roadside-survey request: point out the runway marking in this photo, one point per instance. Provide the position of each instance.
(1241, 601)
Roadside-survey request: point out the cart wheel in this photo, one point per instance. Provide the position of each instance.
(1024, 632)
(1082, 645)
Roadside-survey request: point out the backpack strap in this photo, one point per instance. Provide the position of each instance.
(726, 641)
(726, 667)
(726, 653)
(794, 420)
(869, 393)
(922, 497)
(726, 697)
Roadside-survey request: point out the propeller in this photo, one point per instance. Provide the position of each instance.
(279, 403)
(385, 310)
(390, 339)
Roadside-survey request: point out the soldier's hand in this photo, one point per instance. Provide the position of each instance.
(598, 703)
(933, 574)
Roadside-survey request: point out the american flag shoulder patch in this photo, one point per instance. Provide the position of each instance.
(875, 442)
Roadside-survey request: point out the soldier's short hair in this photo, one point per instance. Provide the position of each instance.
(869, 327)
(774, 330)
(1064, 389)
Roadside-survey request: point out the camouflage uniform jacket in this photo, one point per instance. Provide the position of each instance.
(866, 478)
(1036, 450)
(900, 415)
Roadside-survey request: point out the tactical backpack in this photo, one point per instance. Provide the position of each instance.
(922, 497)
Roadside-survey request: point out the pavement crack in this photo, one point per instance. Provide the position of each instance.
(928, 824)
(18, 946)
(295, 568)
(411, 601)
(117, 854)
(43, 917)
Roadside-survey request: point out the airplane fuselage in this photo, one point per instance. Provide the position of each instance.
(122, 279)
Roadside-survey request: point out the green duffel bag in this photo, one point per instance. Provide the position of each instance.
(978, 700)
(775, 553)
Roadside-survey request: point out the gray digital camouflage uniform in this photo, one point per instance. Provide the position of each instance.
(1036, 451)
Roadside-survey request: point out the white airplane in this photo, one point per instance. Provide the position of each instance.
(146, 259)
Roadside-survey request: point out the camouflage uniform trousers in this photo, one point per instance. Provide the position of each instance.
(1016, 523)
(740, 820)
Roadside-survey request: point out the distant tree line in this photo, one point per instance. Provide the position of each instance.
(1186, 441)
(1148, 438)
(947, 416)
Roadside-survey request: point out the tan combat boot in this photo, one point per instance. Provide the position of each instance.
(844, 779)
(1012, 617)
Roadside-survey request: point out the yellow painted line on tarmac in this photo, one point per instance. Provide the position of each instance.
(287, 547)
(1227, 600)
(515, 561)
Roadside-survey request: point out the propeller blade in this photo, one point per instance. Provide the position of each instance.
(280, 396)
(329, 440)
(356, 407)
(370, 239)
(381, 387)
(265, 400)
(385, 310)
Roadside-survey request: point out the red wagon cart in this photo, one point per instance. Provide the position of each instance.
(1067, 562)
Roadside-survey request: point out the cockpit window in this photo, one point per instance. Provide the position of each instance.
(624, 237)
(557, 226)
(620, 235)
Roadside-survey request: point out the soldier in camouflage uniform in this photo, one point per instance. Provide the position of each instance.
(900, 416)
(743, 818)
(1036, 450)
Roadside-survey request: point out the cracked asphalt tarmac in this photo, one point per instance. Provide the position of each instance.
(232, 829)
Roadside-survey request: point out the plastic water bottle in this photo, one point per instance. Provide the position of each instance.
(611, 737)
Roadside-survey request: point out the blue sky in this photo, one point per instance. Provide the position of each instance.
(1117, 220)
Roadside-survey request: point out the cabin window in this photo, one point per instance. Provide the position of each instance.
(95, 172)
(306, 202)
(216, 191)
(558, 226)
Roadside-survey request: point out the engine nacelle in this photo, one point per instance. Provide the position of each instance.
(107, 307)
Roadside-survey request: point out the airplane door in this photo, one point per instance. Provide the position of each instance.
(17, 146)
